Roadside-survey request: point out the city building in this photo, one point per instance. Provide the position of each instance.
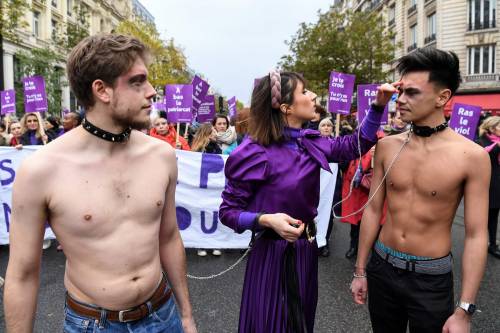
(47, 18)
(467, 27)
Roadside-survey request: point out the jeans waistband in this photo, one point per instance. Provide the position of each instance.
(414, 263)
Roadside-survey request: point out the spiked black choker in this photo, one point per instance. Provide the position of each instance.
(105, 135)
(427, 131)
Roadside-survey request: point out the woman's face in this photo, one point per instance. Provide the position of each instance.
(221, 124)
(317, 116)
(161, 126)
(304, 101)
(32, 122)
(48, 125)
(326, 129)
(15, 130)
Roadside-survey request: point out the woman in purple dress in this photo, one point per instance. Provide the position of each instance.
(272, 189)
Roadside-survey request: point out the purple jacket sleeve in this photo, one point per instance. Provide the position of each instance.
(245, 169)
(345, 148)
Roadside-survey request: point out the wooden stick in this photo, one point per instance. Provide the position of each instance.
(177, 136)
(186, 131)
(337, 125)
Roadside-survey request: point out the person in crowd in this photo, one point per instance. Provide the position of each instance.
(241, 124)
(277, 158)
(226, 135)
(108, 192)
(319, 114)
(4, 134)
(409, 277)
(53, 127)
(164, 131)
(205, 140)
(71, 120)
(345, 128)
(33, 132)
(489, 138)
(15, 130)
(325, 127)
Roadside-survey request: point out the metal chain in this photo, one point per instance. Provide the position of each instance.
(230, 268)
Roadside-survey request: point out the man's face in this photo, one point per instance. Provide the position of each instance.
(131, 97)
(69, 122)
(418, 98)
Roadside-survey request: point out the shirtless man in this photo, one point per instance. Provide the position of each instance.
(109, 199)
(409, 277)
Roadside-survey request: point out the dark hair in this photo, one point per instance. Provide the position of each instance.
(101, 57)
(77, 117)
(3, 127)
(54, 121)
(219, 115)
(443, 66)
(321, 111)
(162, 114)
(266, 124)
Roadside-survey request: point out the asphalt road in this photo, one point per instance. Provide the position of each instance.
(216, 302)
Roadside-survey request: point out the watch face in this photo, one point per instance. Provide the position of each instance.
(471, 309)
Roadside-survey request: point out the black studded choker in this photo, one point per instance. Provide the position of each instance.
(105, 135)
(427, 131)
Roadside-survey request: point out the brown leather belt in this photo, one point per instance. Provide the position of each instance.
(160, 296)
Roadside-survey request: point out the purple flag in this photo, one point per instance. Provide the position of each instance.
(464, 119)
(206, 111)
(159, 106)
(200, 90)
(8, 101)
(178, 102)
(366, 95)
(340, 92)
(231, 105)
(35, 97)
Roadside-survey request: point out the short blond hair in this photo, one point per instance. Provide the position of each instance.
(488, 124)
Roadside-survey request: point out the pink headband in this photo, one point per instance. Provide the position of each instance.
(275, 78)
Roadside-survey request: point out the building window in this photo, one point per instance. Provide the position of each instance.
(481, 59)
(413, 38)
(101, 25)
(412, 7)
(54, 30)
(431, 28)
(482, 14)
(392, 15)
(54, 3)
(36, 24)
(69, 7)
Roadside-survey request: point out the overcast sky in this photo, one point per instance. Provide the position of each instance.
(231, 42)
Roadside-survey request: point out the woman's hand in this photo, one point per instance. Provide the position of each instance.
(287, 227)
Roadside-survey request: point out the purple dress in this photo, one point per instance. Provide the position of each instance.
(282, 178)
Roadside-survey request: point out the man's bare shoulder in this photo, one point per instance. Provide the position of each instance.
(150, 145)
(392, 141)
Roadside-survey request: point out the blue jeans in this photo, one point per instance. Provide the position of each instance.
(164, 319)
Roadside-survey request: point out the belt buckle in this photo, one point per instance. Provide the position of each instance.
(120, 316)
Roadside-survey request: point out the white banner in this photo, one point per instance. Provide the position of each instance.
(198, 197)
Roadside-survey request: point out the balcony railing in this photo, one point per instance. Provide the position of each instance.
(428, 2)
(482, 77)
(482, 25)
(429, 39)
(412, 47)
(391, 22)
(412, 9)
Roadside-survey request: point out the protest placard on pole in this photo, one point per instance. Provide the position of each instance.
(200, 90)
(178, 102)
(206, 111)
(231, 106)
(464, 119)
(340, 92)
(35, 96)
(8, 101)
(367, 94)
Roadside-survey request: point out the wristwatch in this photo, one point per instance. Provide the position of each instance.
(469, 308)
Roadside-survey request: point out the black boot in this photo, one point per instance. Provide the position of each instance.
(324, 251)
(351, 253)
(494, 251)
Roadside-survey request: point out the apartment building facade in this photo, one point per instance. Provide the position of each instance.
(470, 28)
(47, 18)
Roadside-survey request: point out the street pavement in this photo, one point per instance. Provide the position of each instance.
(216, 302)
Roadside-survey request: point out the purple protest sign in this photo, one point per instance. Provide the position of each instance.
(340, 92)
(200, 90)
(8, 101)
(178, 102)
(231, 106)
(159, 106)
(206, 111)
(366, 95)
(464, 119)
(35, 97)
